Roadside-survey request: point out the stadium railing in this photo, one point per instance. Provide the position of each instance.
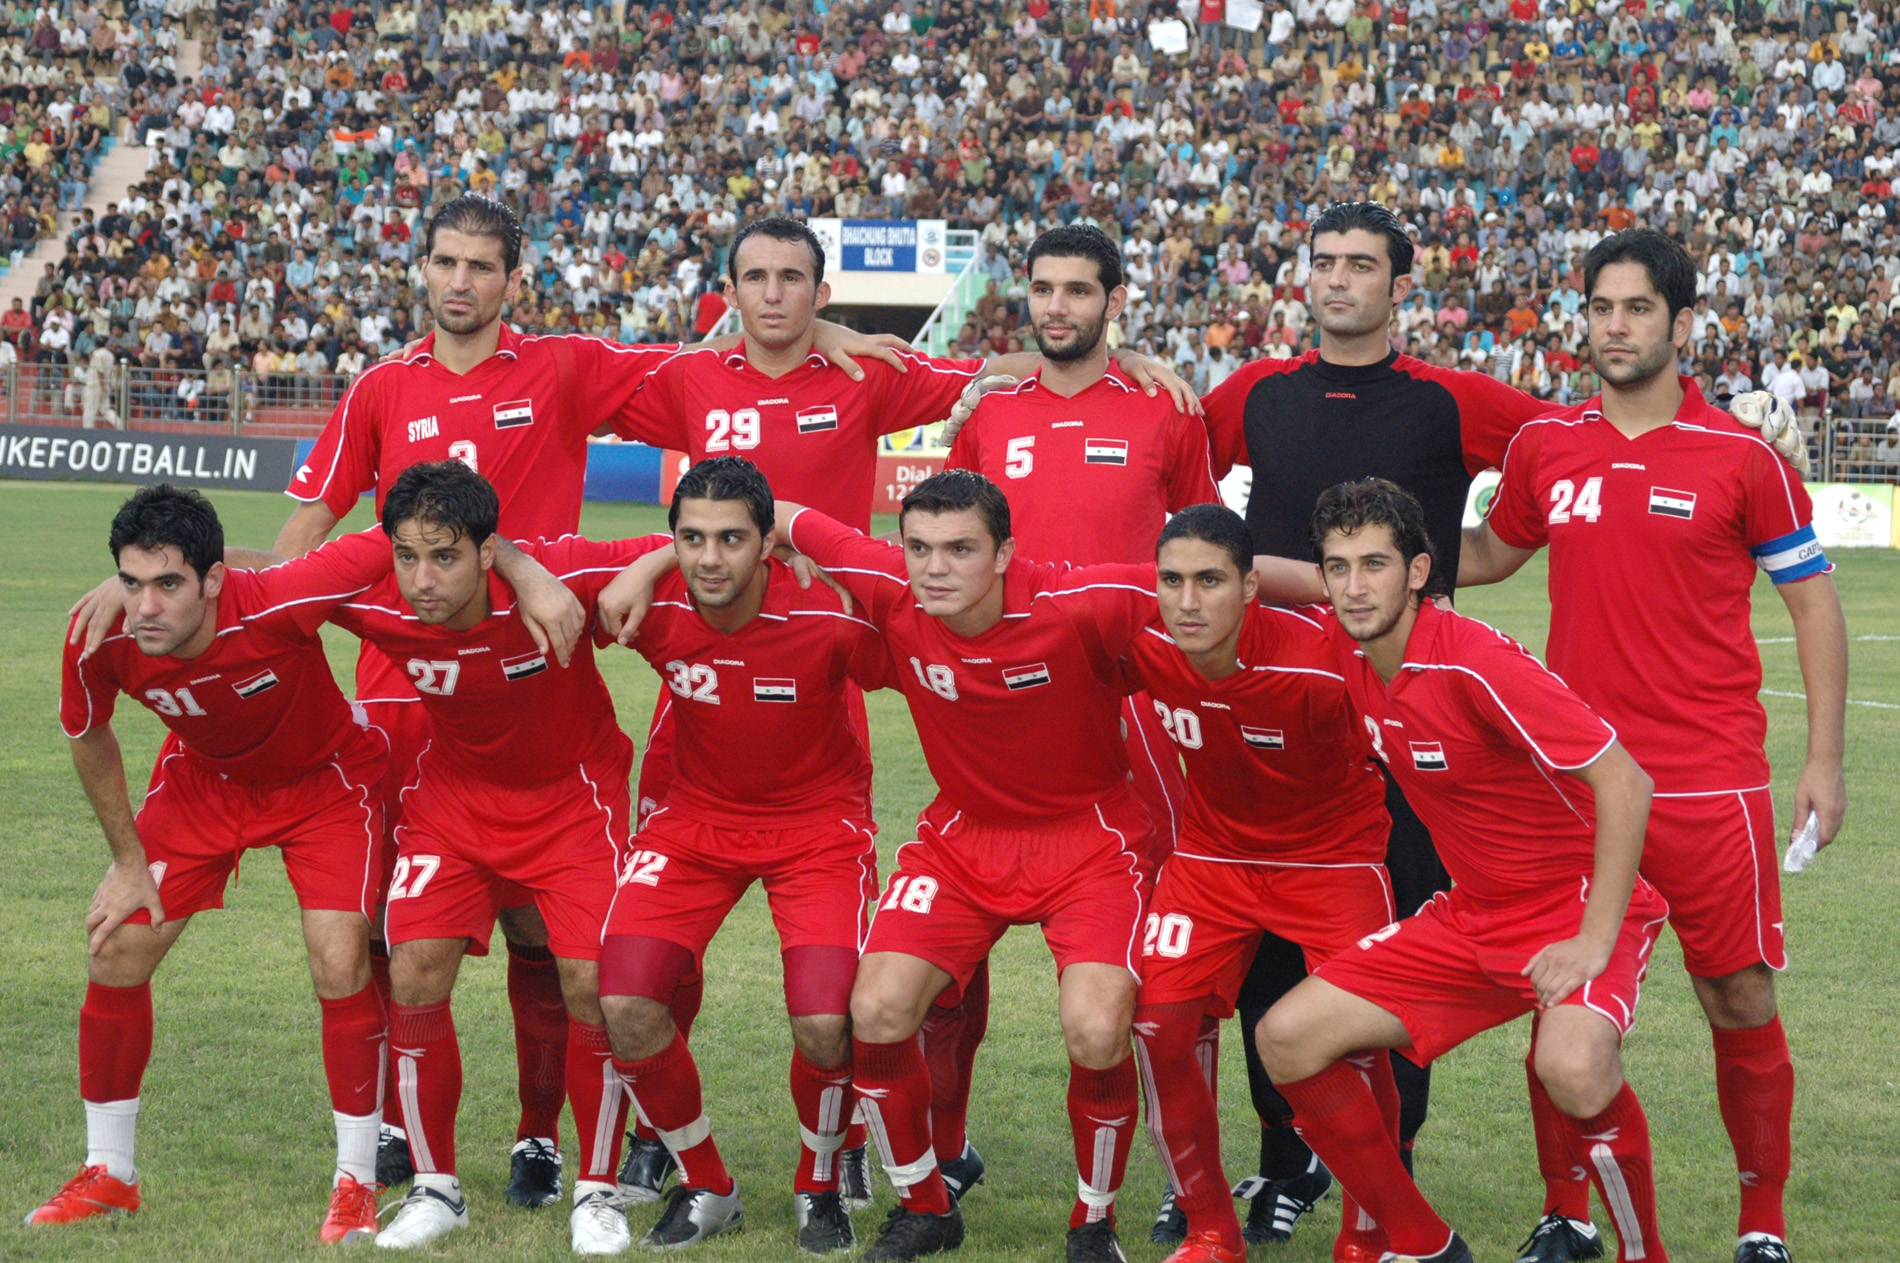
(179, 400)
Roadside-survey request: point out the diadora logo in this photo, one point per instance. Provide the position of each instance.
(425, 428)
(1341, 394)
(466, 399)
(1629, 464)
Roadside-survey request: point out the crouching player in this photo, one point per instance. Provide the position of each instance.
(1285, 831)
(772, 785)
(521, 794)
(263, 751)
(1546, 912)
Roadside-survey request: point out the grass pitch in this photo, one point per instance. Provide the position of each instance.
(235, 1139)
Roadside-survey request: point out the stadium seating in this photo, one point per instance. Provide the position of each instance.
(269, 252)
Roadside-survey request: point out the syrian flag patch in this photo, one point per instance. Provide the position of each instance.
(1428, 756)
(764, 690)
(513, 413)
(256, 684)
(1672, 503)
(1105, 451)
(812, 420)
(1029, 677)
(525, 665)
(1263, 738)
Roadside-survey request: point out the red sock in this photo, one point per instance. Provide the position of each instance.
(1358, 1230)
(534, 993)
(1103, 1105)
(1182, 1117)
(1754, 1083)
(115, 1041)
(942, 1039)
(1338, 1115)
(428, 1081)
(599, 1100)
(667, 1087)
(379, 979)
(822, 1095)
(353, 1031)
(1566, 1183)
(894, 1088)
(687, 996)
(1615, 1147)
(1207, 1054)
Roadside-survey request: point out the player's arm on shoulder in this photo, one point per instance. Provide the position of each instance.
(1623, 792)
(1191, 464)
(844, 347)
(1224, 413)
(652, 412)
(1490, 413)
(553, 615)
(308, 525)
(1155, 376)
(871, 571)
(1284, 581)
(304, 591)
(1484, 558)
(1820, 639)
(1773, 417)
(1117, 598)
(1516, 526)
(623, 604)
(128, 884)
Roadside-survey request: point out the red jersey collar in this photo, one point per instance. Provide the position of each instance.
(507, 346)
(736, 358)
(1694, 409)
(1114, 376)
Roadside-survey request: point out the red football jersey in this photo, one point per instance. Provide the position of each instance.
(1023, 722)
(1479, 736)
(501, 710)
(813, 431)
(1658, 538)
(1278, 767)
(1090, 477)
(520, 418)
(764, 737)
(260, 705)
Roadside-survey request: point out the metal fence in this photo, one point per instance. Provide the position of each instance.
(1844, 449)
(171, 400)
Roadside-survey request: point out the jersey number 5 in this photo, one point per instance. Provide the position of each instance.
(1019, 457)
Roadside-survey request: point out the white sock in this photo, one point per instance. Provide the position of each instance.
(440, 1181)
(583, 1188)
(110, 1128)
(356, 1139)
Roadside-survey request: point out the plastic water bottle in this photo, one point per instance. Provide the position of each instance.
(1803, 845)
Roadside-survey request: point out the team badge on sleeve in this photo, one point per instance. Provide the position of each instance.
(256, 684)
(1029, 677)
(1672, 503)
(514, 413)
(1263, 738)
(764, 690)
(1428, 756)
(1105, 451)
(813, 420)
(524, 665)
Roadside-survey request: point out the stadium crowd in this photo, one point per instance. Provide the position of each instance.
(276, 230)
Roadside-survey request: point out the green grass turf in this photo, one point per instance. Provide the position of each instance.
(235, 1143)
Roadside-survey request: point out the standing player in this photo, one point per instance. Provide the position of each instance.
(813, 432)
(1010, 669)
(519, 410)
(264, 751)
(1548, 912)
(1285, 829)
(1648, 470)
(521, 792)
(1093, 469)
(772, 785)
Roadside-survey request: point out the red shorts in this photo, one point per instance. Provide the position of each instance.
(1083, 879)
(1713, 858)
(1207, 915)
(1452, 970)
(659, 765)
(468, 848)
(195, 825)
(684, 877)
(1156, 774)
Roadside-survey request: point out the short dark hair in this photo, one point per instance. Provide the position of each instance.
(165, 516)
(1668, 265)
(1371, 217)
(1216, 524)
(954, 490)
(725, 478)
(1079, 241)
(478, 216)
(1352, 506)
(779, 228)
(445, 494)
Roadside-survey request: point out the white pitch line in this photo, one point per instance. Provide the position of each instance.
(1802, 697)
(1789, 640)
